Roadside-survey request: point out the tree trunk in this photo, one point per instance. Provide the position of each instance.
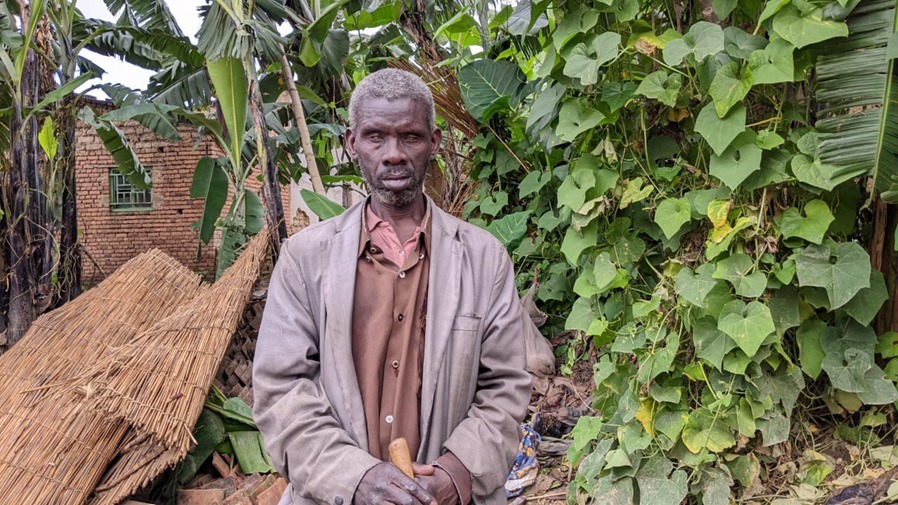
(69, 249)
(884, 258)
(271, 190)
(299, 117)
(23, 231)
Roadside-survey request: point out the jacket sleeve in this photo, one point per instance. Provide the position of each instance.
(503, 391)
(307, 444)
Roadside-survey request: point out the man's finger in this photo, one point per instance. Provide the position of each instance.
(418, 491)
(422, 469)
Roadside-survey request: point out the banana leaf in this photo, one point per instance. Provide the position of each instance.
(857, 88)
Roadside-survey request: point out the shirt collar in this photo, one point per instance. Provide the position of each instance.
(368, 225)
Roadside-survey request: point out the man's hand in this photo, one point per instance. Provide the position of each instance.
(437, 482)
(384, 483)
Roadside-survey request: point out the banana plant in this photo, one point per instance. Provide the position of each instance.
(857, 84)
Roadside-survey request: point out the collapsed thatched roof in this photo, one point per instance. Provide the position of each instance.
(110, 385)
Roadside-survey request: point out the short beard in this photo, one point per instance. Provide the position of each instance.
(396, 199)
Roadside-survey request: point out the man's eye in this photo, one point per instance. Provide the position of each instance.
(374, 138)
(412, 139)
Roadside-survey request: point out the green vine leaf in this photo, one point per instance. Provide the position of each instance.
(843, 278)
(814, 172)
(489, 86)
(740, 44)
(581, 316)
(575, 118)
(572, 192)
(695, 286)
(812, 227)
(702, 40)
(658, 484)
(534, 182)
(846, 369)
(576, 241)
(741, 159)
(574, 23)
(617, 94)
(729, 87)
(662, 87)
(735, 269)
(604, 271)
(493, 204)
(773, 64)
(634, 192)
(704, 430)
(810, 346)
(810, 28)
(711, 344)
(672, 214)
(583, 62)
(720, 132)
(747, 324)
(511, 228)
(865, 305)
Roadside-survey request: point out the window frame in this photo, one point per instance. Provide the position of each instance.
(139, 200)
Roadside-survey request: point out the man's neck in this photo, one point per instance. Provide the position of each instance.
(404, 220)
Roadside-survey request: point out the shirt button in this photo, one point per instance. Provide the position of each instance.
(389, 419)
(395, 364)
(400, 318)
(402, 275)
(402, 253)
(421, 257)
(368, 257)
(373, 250)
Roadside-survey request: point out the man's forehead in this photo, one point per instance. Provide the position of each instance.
(391, 100)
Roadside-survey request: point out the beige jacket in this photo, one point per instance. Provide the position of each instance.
(475, 388)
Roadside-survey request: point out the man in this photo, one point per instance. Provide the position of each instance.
(392, 320)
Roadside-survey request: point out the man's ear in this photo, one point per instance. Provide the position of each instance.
(436, 139)
(349, 142)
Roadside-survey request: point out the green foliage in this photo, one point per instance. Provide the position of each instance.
(690, 227)
(226, 425)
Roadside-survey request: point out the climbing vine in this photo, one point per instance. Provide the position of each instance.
(682, 185)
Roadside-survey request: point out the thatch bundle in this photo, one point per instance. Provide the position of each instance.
(157, 382)
(51, 449)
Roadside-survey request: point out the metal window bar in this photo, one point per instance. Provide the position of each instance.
(123, 196)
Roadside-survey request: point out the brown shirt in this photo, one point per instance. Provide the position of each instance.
(388, 322)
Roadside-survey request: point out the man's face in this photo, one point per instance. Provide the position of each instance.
(393, 146)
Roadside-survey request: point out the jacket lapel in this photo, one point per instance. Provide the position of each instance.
(339, 286)
(444, 284)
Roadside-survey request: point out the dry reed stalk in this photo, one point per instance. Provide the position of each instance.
(140, 458)
(54, 451)
(158, 381)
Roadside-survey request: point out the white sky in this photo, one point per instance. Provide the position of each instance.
(120, 72)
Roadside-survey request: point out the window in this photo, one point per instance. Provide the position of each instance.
(123, 196)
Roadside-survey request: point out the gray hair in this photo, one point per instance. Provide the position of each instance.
(392, 84)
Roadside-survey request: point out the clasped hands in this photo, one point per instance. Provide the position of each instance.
(385, 483)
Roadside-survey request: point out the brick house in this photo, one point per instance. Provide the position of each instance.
(117, 221)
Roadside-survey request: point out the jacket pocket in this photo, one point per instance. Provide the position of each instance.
(466, 322)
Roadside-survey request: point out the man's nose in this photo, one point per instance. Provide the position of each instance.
(394, 153)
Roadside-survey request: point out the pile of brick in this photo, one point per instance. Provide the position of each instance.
(235, 376)
(232, 487)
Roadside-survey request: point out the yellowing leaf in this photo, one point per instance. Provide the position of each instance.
(645, 414)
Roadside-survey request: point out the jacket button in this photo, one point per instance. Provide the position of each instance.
(338, 500)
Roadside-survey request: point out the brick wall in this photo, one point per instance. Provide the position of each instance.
(112, 237)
